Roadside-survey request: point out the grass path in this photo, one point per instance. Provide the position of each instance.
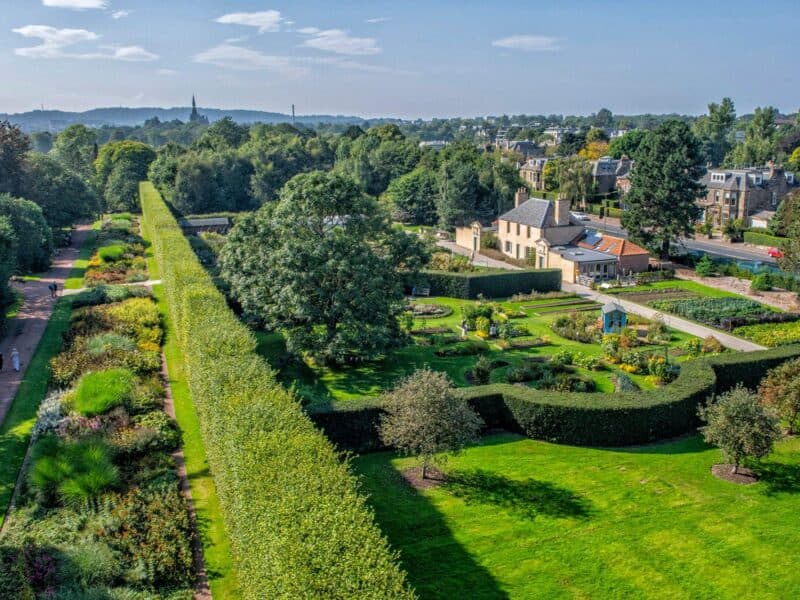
(216, 547)
(526, 519)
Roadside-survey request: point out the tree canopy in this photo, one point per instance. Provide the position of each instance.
(119, 168)
(713, 130)
(34, 238)
(64, 197)
(664, 188)
(413, 197)
(76, 148)
(325, 267)
(14, 147)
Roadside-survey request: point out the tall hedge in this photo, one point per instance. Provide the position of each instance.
(763, 239)
(491, 285)
(298, 526)
(618, 419)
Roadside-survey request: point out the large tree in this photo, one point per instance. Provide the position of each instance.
(8, 261)
(424, 417)
(758, 146)
(780, 389)
(63, 195)
(739, 425)
(14, 147)
(575, 179)
(713, 130)
(34, 237)
(325, 267)
(459, 197)
(119, 168)
(627, 144)
(76, 148)
(664, 188)
(413, 197)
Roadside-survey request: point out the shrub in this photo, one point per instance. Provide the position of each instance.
(712, 345)
(49, 415)
(111, 253)
(99, 392)
(580, 327)
(710, 311)
(657, 332)
(297, 525)
(780, 390)
(72, 472)
(105, 294)
(562, 357)
(103, 342)
(592, 363)
(151, 432)
(490, 285)
(761, 282)
(623, 383)
(482, 371)
(705, 266)
(771, 334)
(646, 277)
(465, 348)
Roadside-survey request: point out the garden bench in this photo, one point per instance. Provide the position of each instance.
(423, 291)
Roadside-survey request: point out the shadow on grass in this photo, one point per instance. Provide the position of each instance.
(689, 443)
(779, 478)
(438, 566)
(527, 499)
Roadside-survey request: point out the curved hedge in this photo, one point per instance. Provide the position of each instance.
(491, 285)
(297, 524)
(618, 419)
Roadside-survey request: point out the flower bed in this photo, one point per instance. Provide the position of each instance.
(119, 257)
(100, 506)
(771, 334)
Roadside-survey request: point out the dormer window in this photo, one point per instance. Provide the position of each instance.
(718, 177)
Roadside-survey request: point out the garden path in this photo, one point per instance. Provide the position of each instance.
(701, 331)
(26, 329)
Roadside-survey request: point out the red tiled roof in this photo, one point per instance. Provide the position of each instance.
(616, 246)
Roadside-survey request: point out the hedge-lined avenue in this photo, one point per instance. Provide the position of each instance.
(297, 524)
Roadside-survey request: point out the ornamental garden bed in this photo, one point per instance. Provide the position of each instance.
(523, 333)
(120, 251)
(99, 507)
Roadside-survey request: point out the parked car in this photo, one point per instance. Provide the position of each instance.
(581, 216)
(775, 253)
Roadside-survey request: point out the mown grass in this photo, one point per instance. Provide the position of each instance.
(16, 428)
(693, 287)
(216, 546)
(321, 385)
(526, 519)
(75, 279)
(16, 303)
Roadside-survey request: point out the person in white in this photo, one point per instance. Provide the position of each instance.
(15, 359)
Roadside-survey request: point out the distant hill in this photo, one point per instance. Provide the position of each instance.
(56, 120)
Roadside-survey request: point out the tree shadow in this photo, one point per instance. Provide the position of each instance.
(437, 564)
(779, 478)
(528, 498)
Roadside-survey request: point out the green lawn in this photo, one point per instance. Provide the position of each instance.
(16, 428)
(680, 284)
(323, 385)
(75, 279)
(527, 519)
(216, 547)
(16, 303)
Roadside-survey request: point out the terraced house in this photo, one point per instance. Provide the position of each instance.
(741, 193)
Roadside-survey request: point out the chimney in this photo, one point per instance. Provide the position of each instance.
(520, 196)
(561, 206)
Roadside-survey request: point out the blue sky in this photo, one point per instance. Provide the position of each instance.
(409, 58)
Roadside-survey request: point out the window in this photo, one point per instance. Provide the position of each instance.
(528, 251)
(718, 177)
(508, 226)
(716, 197)
(508, 246)
(774, 198)
(529, 231)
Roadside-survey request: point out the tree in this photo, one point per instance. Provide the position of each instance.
(596, 135)
(8, 261)
(215, 182)
(64, 197)
(119, 168)
(713, 130)
(664, 188)
(780, 390)
(739, 425)
(571, 143)
(75, 148)
(794, 160)
(460, 191)
(603, 118)
(705, 266)
(594, 150)
(325, 267)
(425, 418)
(758, 146)
(164, 168)
(34, 238)
(788, 212)
(413, 197)
(225, 134)
(575, 179)
(627, 144)
(14, 147)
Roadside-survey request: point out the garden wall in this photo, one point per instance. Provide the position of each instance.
(297, 525)
(491, 285)
(618, 419)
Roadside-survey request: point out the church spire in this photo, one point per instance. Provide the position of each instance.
(196, 116)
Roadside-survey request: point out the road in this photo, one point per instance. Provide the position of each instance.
(738, 252)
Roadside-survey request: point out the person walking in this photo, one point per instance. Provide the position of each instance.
(55, 290)
(15, 359)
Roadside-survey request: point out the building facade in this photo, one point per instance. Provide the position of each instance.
(532, 173)
(740, 193)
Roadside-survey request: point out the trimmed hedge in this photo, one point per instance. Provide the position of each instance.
(763, 239)
(618, 419)
(491, 285)
(298, 526)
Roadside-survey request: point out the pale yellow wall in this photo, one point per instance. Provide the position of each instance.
(522, 238)
(464, 237)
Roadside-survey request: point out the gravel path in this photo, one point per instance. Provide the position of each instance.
(26, 329)
(478, 259)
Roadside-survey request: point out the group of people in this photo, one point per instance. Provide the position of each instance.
(14, 359)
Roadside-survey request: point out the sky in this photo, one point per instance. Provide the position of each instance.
(409, 58)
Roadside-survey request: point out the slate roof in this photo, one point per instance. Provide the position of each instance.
(612, 307)
(733, 182)
(532, 212)
(764, 215)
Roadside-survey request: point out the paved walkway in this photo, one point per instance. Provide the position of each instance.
(478, 259)
(148, 283)
(701, 331)
(26, 329)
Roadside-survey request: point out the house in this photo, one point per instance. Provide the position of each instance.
(532, 173)
(526, 148)
(434, 144)
(630, 257)
(555, 135)
(740, 193)
(623, 175)
(614, 316)
(606, 171)
(761, 219)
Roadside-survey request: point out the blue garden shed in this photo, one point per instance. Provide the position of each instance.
(614, 318)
